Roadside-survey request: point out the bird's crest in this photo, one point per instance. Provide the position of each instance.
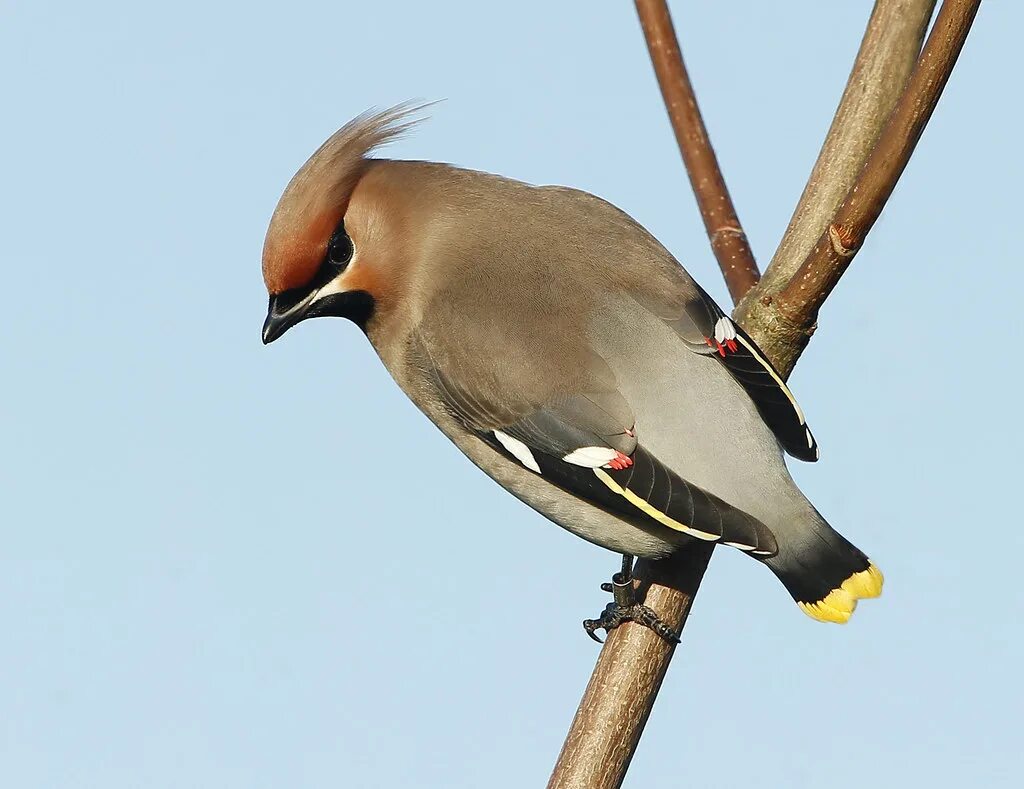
(316, 198)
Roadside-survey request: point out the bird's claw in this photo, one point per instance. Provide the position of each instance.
(592, 625)
(625, 608)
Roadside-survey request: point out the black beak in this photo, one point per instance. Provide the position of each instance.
(291, 307)
(282, 314)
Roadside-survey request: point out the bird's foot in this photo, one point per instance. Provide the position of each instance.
(625, 608)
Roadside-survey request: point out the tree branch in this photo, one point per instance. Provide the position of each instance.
(728, 240)
(626, 680)
(629, 671)
(887, 55)
(784, 318)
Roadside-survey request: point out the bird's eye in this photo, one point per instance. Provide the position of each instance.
(340, 248)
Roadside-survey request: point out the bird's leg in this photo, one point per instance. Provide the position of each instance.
(624, 607)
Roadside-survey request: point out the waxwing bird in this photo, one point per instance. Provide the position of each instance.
(566, 353)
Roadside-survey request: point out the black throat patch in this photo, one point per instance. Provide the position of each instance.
(356, 305)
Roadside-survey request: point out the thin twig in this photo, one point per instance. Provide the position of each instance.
(625, 683)
(728, 241)
(794, 309)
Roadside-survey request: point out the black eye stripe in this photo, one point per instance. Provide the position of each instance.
(328, 270)
(340, 250)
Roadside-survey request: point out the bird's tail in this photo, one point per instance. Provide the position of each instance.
(823, 571)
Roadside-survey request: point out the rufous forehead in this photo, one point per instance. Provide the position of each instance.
(293, 254)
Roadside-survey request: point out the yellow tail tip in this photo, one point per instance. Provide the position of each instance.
(839, 604)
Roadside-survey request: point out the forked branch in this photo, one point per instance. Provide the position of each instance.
(819, 273)
(786, 316)
(887, 56)
(625, 683)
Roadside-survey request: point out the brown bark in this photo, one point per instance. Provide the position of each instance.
(626, 680)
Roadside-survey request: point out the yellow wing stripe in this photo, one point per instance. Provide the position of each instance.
(645, 506)
(838, 605)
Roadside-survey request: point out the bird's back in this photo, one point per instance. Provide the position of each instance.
(548, 291)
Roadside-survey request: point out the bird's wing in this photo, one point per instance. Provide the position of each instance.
(578, 443)
(706, 329)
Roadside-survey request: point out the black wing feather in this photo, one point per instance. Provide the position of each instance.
(701, 320)
(648, 491)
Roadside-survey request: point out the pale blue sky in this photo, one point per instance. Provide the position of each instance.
(224, 565)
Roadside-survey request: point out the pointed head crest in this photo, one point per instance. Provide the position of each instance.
(315, 200)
